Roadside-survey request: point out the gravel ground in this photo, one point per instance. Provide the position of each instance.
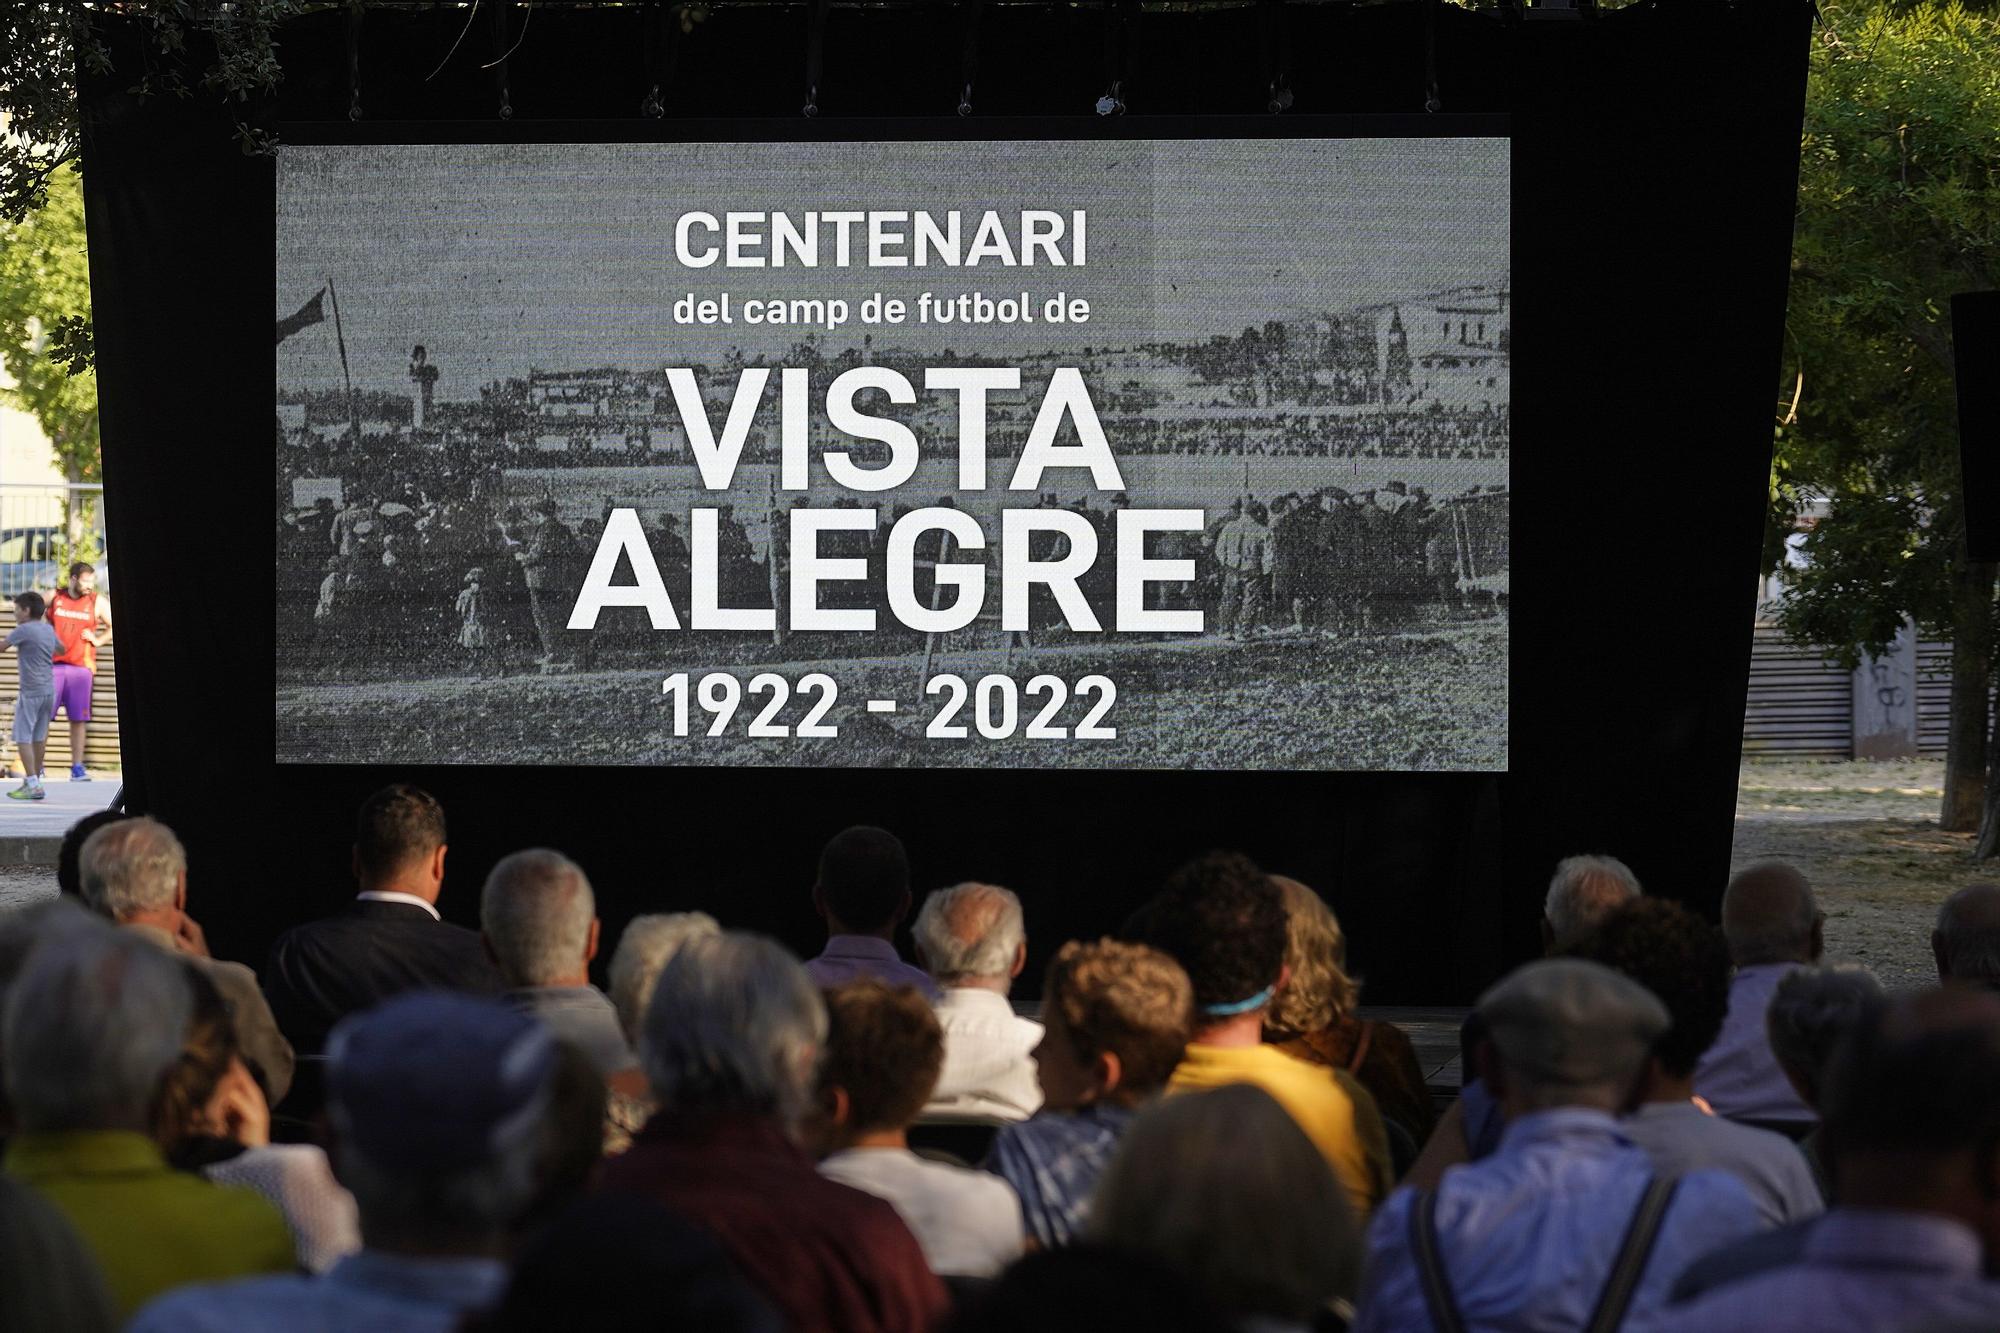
(1866, 833)
(21, 885)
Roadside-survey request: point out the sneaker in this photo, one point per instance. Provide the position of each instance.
(78, 773)
(26, 793)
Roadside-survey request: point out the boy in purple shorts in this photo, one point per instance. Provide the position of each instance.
(36, 646)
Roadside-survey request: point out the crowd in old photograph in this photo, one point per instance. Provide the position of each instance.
(443, 573)
(1189, 1122)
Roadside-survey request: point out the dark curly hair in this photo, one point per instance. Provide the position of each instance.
(1679, 957)
(1223, 921)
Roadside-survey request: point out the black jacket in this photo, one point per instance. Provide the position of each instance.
(323, 971)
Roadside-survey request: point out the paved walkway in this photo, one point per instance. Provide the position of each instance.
(30, 830)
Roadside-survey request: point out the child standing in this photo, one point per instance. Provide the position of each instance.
(35, 645)
(472, 635)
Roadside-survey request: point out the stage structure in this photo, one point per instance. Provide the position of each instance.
(683, 445)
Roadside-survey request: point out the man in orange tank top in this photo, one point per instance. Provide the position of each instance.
(81, 618)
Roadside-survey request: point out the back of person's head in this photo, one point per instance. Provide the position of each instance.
(1923, 1077)
(397, 827)
(643, 949)
(1911, 1115)
(1966, 941)
(131, 866)
(735, 1025)
(1128, 1002)
(1769, 916)
(884, 1051)
(1681, 959)
(1225, 1187)
(1583, 891)
(1088, 1288)
(23, 931)
(621, 1263)
(439, 1105)
(69, 875)
(92, 1023)
(29, 605)
(971, 932)
(1811, 1012)
(1317, 990)
(537, 913)
(1223, 921)
(1569, 1032)
(864, 878)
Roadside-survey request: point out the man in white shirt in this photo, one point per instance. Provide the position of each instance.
(972, 940)
(883, 1052)
(1773, 927)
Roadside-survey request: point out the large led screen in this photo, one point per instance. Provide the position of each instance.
(1039, 454)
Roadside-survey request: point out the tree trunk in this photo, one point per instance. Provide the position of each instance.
(1966, 758)
(1988, 847)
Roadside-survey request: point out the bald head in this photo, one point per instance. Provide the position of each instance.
(1966, 942)
(972, 935)
(1769, 916)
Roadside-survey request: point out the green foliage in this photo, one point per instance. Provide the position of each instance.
(1899, 207)
(45, 285)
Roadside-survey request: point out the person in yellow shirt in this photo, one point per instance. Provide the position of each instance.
(1223, 920)
(90, 1026)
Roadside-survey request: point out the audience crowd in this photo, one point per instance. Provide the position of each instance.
(402, 1124)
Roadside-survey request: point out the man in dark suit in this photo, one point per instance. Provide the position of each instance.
(390, 939)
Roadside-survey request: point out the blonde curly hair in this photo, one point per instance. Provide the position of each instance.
(1318, 991)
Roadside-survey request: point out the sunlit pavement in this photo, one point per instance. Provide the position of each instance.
(51, 817)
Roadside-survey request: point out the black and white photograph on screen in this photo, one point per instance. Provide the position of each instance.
(1115, 454)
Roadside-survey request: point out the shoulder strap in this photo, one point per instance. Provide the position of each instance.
(1438, 1300)
(1630, 1265)
(1361, 1046)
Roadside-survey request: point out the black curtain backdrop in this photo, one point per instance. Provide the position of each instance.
(1655, 156)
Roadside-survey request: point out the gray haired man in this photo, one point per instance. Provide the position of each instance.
(134, 871)
(538, 918)
(973, 942)
(1773, 927)
(91, 1025)
(732, 1044)
(1583, 891)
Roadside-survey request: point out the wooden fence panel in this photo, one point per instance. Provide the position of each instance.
(101, 752)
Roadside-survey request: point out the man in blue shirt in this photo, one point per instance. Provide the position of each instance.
(1115, 1017)
(1533, 1236)
(1912, 1129)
